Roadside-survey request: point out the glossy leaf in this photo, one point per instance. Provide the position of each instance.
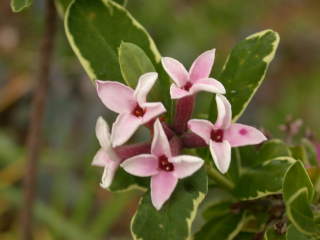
(222, 227)
(246, 68)
(264, 179)
(124, 182)
(294, 234)
(62, 6)
(133, 63)
(271, 234)
(295, 179)
(300, 214)
(310, 152)
(95, 30)
(19, 5)
(175, 218)
(254, 155)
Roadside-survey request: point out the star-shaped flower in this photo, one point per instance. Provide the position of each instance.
(224, 134)
(131, 105)
(106, 156)
(196, 80)
(164, 168)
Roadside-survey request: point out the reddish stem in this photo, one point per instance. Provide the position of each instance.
(184, 108)
(192, 140)
(127, 151)
(175, 145)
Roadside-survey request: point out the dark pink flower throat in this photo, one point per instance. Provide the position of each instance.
(187, 86)
(138, 111)
(217, 135)
(164, 164)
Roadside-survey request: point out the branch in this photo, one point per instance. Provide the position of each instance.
(36, 120)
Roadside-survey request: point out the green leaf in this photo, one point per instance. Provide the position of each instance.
(254, 155)
(19, 5)
(310, 152)
(222, 227)
(246, 68)
(300, 214)
(245, 236)
(217, 210)
(124, 182)
(294, 234)
(263, 180)
(62, 6)
(133, 63)
(271, 234)
(95, 30)
(175, 218)
(295, 179)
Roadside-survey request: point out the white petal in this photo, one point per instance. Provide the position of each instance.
(221, 154)
(103, 133)
(160, 144)
(145, 83)
(186, 165)
(224, 112)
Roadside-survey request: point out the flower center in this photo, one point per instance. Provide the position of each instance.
(164, 164)
(138, 111)
(217, 135)
(187, 86)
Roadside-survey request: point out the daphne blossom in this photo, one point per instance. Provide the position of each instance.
(131, 105)
(164, 168)
(224, 134)
(197, 79)
(106, 156)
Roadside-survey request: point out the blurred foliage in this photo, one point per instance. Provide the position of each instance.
(181, 29)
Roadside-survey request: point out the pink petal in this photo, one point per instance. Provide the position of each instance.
(201, 67)
(162, 186)
(116, 96)
(176, 92)
(208, 85)
(100, 159)
(224, 112)
(185, 165)
(160, 144)
(240, 135)
(123, 128)
(152, 110)
(175, 70)
(104, 156)
(221, 154)
(145, 83)
(202, 128)
(103, 133)
(143, 165)
(108, 173)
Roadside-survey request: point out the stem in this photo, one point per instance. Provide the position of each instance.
(192, 140)
(219, 178)
(36, 120)
(184, 108)
(175, 145)
(127, 151)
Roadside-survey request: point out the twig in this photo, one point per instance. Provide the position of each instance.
(219, 178)
(36, 120)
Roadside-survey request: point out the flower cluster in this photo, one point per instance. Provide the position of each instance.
(162, 159)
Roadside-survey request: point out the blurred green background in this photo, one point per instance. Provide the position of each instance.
(70, 203)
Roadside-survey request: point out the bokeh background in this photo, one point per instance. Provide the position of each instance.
(70, 204)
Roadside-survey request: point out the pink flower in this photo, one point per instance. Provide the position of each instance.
(164, 169)
(131, 105)
(224, 134)
(196, 80)
(106, 156)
